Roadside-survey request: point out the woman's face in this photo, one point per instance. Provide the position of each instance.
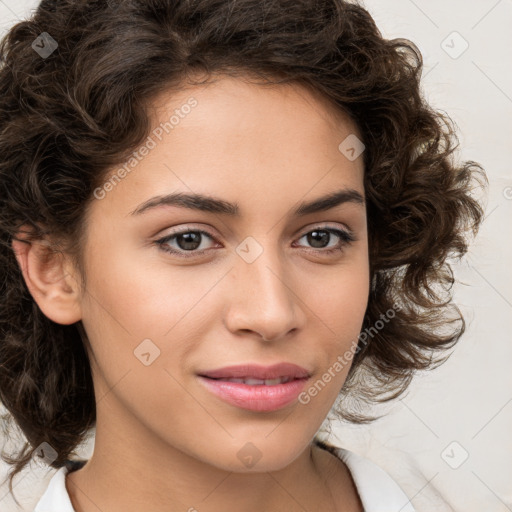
(258, 287)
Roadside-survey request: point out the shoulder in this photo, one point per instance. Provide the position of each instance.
(376, 488)
(56, 497)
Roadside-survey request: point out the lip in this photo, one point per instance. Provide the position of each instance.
(259, 398)
(257, 371)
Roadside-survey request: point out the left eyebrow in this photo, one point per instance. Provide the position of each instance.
(215, 205)
(332, 200)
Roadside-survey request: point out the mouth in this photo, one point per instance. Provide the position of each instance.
(252, 381)
(256, 388)
(253, 374)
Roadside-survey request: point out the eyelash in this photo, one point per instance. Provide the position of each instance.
(347, 237)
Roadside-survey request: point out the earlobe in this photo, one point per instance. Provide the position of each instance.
(50, 280)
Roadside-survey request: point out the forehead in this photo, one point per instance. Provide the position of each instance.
(245, 91)
(242, 141)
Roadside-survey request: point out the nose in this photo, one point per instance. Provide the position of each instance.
(264, 298)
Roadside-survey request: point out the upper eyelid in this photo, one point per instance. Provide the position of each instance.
(300, 233)
(326, 226)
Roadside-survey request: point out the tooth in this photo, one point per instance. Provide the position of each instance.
(259, 382)
(273, 382)
(254, 382)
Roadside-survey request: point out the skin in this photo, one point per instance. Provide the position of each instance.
(163, 442)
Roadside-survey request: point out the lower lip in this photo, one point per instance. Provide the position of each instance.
(255, 398)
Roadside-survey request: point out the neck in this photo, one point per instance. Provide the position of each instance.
(93, 488)
(121, 476)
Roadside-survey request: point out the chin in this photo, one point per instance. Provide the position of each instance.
(258, 454)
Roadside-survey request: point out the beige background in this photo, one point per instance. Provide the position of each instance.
(463, 409)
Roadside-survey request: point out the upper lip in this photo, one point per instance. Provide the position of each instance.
(258, 372)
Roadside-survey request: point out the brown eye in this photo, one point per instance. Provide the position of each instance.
(184, 241)
(319, 238)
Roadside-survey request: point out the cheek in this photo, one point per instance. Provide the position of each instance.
(138, 329)
(340, 298)
(339, 306)
(139, 294)
(138, 312)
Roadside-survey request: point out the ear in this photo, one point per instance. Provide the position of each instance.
(50, 278)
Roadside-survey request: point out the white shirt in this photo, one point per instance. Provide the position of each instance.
(377, 490)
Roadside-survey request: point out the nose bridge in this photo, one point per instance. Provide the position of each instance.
(263, 296)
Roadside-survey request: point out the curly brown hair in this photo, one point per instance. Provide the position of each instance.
(68, 117)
